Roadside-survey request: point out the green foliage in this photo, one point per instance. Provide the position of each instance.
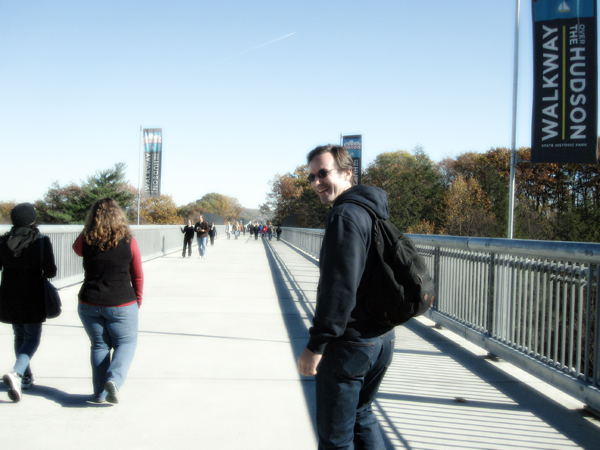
(413, 184)
(110, 183)
(69, 204)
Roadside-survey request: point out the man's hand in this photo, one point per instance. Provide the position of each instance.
(308, 362)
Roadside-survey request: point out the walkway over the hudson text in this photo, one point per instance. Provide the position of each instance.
(216, 369)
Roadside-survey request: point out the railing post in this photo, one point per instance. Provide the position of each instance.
(596, 370)
(436, 276)
(490, 296)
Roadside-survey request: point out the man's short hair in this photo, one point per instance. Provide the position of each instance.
(343, 160)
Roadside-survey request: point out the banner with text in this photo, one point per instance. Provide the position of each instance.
(565, 88)
(152, 140)
(354, 146)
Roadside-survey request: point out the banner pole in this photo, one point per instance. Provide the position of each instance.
(514, 156)
(139, 177)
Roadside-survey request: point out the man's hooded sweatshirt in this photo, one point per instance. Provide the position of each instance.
(341, 311)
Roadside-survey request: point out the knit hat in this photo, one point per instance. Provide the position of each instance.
(23, 214)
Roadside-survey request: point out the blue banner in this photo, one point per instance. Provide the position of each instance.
(565, 88)
(354, 146)
(152, 141)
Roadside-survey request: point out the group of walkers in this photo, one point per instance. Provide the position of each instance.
(264, 230)
(109, 298)
(236, 229)
(203, 231)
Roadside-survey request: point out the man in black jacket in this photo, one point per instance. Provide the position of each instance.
(347, 351)
(201, 228)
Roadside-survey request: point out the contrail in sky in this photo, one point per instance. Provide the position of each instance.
(241, 53)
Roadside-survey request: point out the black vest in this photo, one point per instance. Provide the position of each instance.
(107, 279)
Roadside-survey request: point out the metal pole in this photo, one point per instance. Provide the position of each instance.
(139, 177)
(514, 156)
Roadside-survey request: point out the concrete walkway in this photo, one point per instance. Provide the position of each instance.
(216, 369)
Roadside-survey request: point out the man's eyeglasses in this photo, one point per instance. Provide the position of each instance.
(323, 173)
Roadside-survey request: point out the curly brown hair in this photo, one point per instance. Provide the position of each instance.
(106, 225)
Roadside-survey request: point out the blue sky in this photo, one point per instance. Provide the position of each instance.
(244, 89)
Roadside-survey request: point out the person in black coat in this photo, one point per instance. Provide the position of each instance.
(188, 237)
(26, 257)
(212, 233)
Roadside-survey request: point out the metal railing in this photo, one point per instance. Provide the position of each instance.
(532, 303)
(154, 241)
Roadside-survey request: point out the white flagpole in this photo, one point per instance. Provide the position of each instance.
(139, 177)
(514, 156)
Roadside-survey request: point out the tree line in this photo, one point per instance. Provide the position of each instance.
(70, 203)
(467, 195)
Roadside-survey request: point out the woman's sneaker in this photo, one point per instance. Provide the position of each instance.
(28, 381)
(12, 381)
(111, 392)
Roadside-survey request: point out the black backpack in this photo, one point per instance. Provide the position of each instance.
(396, 279)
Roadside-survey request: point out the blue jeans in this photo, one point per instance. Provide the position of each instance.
(202, 245)
(348, 378)
(27, 341)
(109, 328)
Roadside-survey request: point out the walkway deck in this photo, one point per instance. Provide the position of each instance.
(216, 369)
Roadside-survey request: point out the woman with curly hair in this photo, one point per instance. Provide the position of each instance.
(110, 295)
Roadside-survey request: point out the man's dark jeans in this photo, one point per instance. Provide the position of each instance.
(348, 378)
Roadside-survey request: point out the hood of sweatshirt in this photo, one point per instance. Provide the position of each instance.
(373, 197)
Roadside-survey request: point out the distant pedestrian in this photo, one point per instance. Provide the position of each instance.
(188, 237)
(270, 230)
(243, 230)
(26, 258)
(278, 231)
(256, 230)
(228, 229)
(110, 296)
(201, 229)
(236, 230)
(212, 233)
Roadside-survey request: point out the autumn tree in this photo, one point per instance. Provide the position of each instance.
(491, 171)
(5, 209)
(227, 207)
(292, 194)
(160, 210)
(469, 210)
